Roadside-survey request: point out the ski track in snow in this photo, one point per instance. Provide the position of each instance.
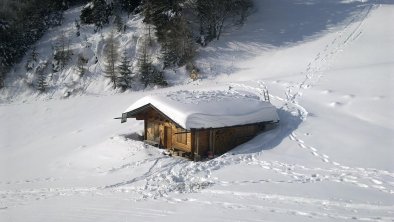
(166, 176)
(350, 210)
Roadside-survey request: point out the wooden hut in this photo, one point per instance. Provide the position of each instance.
(199, 128)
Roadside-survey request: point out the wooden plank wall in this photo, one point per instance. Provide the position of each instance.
(220, 141)
(152, 116)
(225, 139)
(203, 142)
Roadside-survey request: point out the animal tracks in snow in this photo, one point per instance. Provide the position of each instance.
(160, 177)
(312, 74)
(360, 177)
(349, 174)
(325, 158)
(320, 62)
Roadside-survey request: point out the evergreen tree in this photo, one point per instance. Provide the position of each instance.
(34, 54)
(179, 47)
(96, 12)
(78, 27)
(149, 74)
(158, 77)
(32, 60)
(2, 75)
(117, 12)
(169, 56)
(22, 23)
(145, 67)
(81, 65)
(130, 5)
(125, 79)
(1, 79)
(111, 54)
(41, 79)
(119, 23)
(172, 31)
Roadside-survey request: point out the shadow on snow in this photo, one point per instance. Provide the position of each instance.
(275, 24)
(269, 139)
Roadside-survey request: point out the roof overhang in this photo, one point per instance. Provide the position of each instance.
(142, 109)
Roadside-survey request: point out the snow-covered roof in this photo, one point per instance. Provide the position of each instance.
(210, 109)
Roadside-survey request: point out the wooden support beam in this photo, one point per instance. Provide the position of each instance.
(197, 153)
(213, 141)
(210, 140)
(145, 129)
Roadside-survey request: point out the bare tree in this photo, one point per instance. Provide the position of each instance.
(214, 14)
(32, 60)
(178, 46)
(81, 65)
(62, 53)
(111, 55)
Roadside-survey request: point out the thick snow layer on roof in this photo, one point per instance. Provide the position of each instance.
(206, 109)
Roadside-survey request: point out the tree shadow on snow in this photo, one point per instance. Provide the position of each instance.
(271, 138)
(279, 23)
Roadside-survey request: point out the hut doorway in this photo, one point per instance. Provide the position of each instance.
(167, 137)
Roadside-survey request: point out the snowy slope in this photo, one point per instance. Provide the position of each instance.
(89, 44)
(329, 68)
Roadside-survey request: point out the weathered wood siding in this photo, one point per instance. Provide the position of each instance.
(164, 132)
(203, 142)
(177, 144)
(228, 138)
(224, 139)
(155, 129)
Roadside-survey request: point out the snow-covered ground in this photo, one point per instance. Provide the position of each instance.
(329, 66)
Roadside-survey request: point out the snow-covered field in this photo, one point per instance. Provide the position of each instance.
(329, 67)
